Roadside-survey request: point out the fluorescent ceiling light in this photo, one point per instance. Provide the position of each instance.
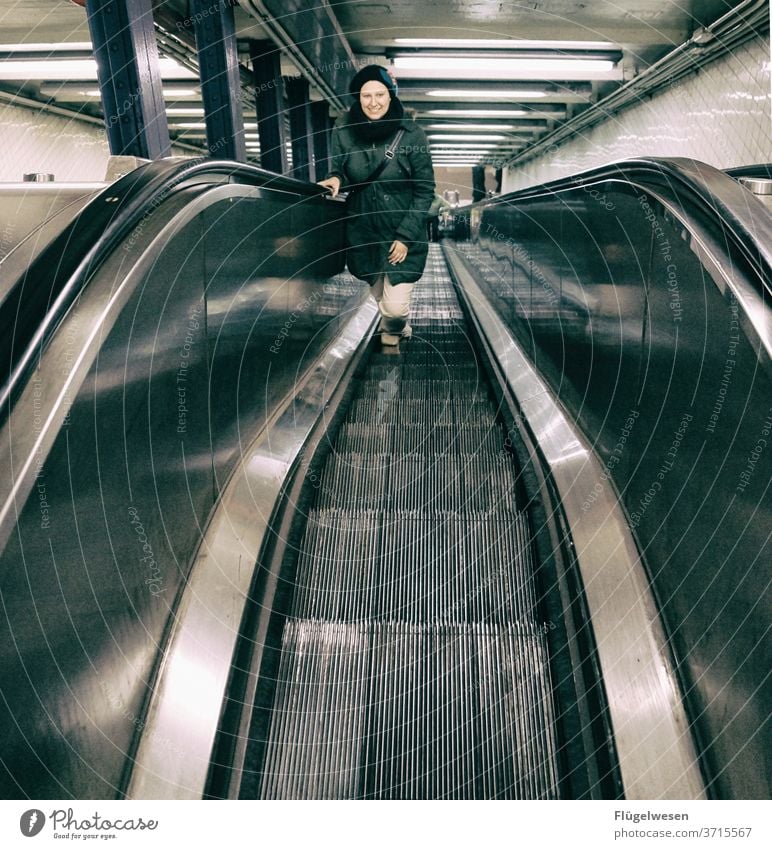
(461, 126)
(486, 94)
(167, 92)
(189, 112)
(53, 69)
(200, 125)
(172, 69)
(179, 92)
(463, 68)
(76, 69)
(444, 146)
(460, 137)
(480, 113)
(507, 43)
(45, 47)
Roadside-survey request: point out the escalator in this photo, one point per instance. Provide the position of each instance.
(244, 553)
(414, 660)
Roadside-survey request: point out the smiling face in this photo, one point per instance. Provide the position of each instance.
(374, 99)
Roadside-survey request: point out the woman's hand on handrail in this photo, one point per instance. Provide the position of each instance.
(331, 183)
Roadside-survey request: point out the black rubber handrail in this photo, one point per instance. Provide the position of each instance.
(690, 183)
(763, 170)
(60, 271)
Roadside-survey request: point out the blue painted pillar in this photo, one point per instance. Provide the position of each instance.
(300, 128)
(478, 183)
(321, 125)
(269, 97)
(220, 79)
(124, 43)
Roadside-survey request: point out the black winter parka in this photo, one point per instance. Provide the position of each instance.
(393, 207)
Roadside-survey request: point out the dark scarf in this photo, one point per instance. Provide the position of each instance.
(375, 131)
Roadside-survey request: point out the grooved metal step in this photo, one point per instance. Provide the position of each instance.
(357, 437)
(461, 482)
(428, 412)
(391, 710)
(414, 661)
(417, 567)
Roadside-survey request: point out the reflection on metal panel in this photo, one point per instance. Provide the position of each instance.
(657, 759)
(116, 447)
(650, 321)
(188, 698)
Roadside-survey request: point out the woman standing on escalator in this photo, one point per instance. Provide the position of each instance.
(381, 157)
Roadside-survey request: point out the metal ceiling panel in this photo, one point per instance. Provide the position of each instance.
(370, 26)
(311, 35)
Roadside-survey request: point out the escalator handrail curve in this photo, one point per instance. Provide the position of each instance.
(63, 268)
(742, 216)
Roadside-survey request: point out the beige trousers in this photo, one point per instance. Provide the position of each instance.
(394, 305)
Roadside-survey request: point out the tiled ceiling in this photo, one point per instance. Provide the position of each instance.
(485, 78)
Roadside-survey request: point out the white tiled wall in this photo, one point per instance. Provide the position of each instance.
(31, 141)
(720, 115)
(36, 141)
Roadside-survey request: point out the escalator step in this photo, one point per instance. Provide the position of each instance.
(388, 368)
(461, 482)
(425, 412)
(448, 568)
(355, 481)
(413, 438)
(397, 711)
(417, 567)
(338, 573)
(394, 386)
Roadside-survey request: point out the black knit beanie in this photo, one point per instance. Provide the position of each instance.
(372, 72)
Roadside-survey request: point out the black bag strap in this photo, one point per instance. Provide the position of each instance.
(389, 154)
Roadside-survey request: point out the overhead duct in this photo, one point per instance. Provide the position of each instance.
(312, 37)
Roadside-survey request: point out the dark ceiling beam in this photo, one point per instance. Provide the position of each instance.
(321, 126)
(176, 38)
(310, 34)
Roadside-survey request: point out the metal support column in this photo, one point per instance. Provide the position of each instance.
(320, 122)
(125, 47)
(478, 183)
(269, 97)
(220, 81)
(300, 128)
